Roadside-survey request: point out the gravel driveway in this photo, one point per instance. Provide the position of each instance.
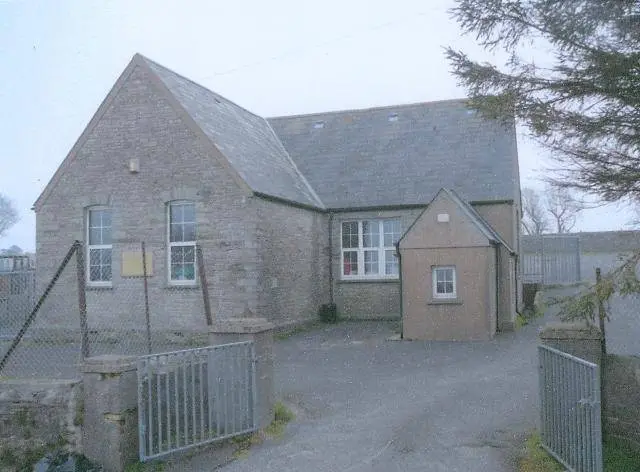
(364, 403)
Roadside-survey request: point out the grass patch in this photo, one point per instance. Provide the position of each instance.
(145, 467)
(536, 459)
(619, 456)
(281, 416)
(521, 321)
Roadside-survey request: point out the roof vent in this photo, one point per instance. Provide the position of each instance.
(318, 124)
(393, 117)
(471, 111)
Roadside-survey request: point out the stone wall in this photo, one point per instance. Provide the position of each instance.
(622, 396)
(36, 414)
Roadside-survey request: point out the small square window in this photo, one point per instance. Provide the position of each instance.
(444, 282)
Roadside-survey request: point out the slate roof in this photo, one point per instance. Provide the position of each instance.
(402, 154)
(245, 139)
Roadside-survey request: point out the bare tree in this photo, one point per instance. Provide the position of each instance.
(8, 214)
(12, 251)
(534, 217)
(563, 207)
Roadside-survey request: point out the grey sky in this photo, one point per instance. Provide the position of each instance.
(59, 59)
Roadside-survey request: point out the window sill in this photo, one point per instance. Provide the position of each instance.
(371, 281)
(98, 287)
(445, 301)
(193, 286)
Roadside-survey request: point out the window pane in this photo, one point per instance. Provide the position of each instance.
(370, 234)
(175, 213)
(390, 263)
(106, 218)
(175, 233)
(94, 274)
(95, 218)
(176, 255)
(448, 275)
(189, 254)
(105, 256)
(94, 257)
(106, 235)
(448, 287)
(440, 287)
(371, 262)
(189, 212)
(100, 265)
(189, 232)
(350, 234)
(95, 236)
(350, 263)
(391, 232)
(106, 273)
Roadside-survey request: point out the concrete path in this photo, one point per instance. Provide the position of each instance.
(364, 403)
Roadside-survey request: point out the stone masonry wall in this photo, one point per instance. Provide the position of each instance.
(293, 245)
(39, 413)
(174, 164)
(622, 395)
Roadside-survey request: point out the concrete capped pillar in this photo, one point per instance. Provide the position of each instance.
(260, 331)
(110, 428)
(576, 338)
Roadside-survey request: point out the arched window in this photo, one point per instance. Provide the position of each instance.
(99, 246)
(182, 242)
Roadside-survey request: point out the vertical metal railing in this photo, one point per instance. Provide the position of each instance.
(570, 421)
(194, 397)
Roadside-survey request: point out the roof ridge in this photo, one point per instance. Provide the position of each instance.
(151, 61)
(367, 109)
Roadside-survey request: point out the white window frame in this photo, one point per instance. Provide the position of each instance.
(434, 283)
(360, 250)
(89, 247)
(171, 245)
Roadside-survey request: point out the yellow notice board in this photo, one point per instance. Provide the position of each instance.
(132, 264)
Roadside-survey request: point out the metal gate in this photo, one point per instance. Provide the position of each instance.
(194, 397)
(570, 410)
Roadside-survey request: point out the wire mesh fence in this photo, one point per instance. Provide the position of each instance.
(96, 302)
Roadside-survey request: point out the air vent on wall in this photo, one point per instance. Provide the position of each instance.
(443, 217)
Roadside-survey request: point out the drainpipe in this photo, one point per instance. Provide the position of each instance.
(400, 279)
(498, 271)
(331, 258)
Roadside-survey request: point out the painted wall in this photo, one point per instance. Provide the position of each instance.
(457, 242)
(470, 316)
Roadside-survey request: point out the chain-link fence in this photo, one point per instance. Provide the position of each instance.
(98, 301)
